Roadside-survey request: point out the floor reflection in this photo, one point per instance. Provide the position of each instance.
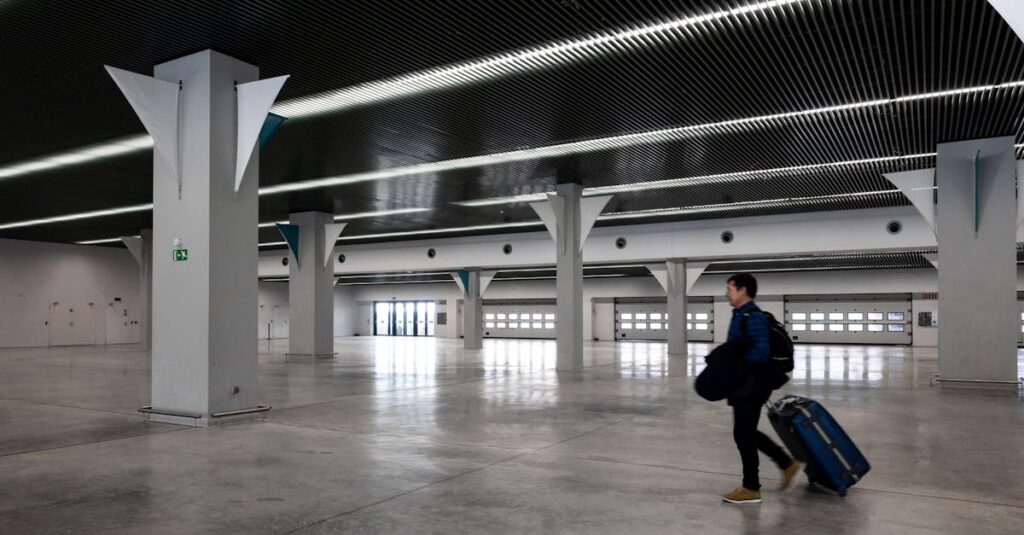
(407, 358)
(525, 355)
(411, 361)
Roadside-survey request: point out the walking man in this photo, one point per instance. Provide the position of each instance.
(749, 329)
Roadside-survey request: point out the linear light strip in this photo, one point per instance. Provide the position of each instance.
(737, 205)
(389, 282)
(813, 268)
(540, 196)
(625, 215)
(850, 256)
(618, 142)
(523, 270)
(443, 230)
(455, 75)
(360, 215)
(505, 64)
(690, 181)
(517, 270)
(89, 153)
(416, 274)
(96, 242)
(368, 283)
(550, 151)
(78, 216)
(426, 232)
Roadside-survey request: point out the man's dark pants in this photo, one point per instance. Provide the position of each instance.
(746, 412)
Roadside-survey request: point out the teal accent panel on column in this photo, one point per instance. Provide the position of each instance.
(270, 125)
(977, 211)
(291, 236)
(464, 275)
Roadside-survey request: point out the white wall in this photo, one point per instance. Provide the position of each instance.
(271, 295)
(344, 311)
(275, 294)
(602, 326)
(34, 275)
(835, 282)
(603, 287)
(449, 292)
(925, 336)
(771, 288)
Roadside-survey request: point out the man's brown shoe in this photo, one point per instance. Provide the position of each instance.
(742, 495)
(789, 475)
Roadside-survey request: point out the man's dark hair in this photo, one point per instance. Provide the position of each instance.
(744, 280)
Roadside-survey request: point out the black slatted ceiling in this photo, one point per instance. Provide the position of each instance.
(802, 56)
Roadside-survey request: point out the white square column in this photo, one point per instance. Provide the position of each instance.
(473, 312)
(205, 302)
(311, 289)
(146, 291)
(569, 279)
(569, 217)
(676, 288)
(976, 226)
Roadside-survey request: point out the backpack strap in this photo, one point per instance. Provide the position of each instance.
(743, 327)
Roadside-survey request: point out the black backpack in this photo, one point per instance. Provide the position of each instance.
(779, 342)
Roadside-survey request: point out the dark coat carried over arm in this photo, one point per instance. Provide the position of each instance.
(724, 374)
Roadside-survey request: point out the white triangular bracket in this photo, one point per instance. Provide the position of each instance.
(590, 209)
(933, 258)
(1013, 12)
(660, 273)
(156, 103)
(919, 187)
(331, 233)
(134, 245)
(693, 271)
(485, 280)
(254, 102)
(458, 282)
(550, 212)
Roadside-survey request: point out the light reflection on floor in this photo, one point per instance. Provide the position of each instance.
(825, 364)
(445, 436)
(407, 359)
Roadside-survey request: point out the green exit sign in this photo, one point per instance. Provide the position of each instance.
(180, 255)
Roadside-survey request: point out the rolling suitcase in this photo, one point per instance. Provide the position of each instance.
(813, 436)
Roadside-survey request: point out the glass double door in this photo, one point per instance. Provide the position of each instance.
(403, 318)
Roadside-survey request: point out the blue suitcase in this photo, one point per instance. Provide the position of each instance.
(813, 436)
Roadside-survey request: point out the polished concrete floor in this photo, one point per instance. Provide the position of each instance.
(403, 435)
